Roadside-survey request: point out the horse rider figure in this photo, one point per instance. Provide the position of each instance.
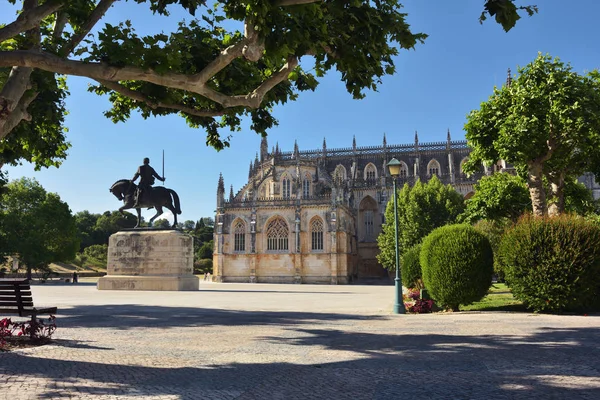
(146, 174)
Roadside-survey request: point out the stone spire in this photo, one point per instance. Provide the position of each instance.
(416, 138)
(220, 191)
(256, 162)
(250, 171)
(324, 148)
(231, 193)
(296, 152)
(354, 142)
(264, 149)
(277, 148)
(508, 79)
(384, 141)
(448, 140)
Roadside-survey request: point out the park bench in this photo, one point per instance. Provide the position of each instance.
(16, 298)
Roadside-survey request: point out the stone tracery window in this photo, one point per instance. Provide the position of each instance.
(239, 236)
(433, 168)
(277, 235)
(306, 187)
(316, 233)
(369, 233)
(403, 170)
(286, 187)
(370, 172)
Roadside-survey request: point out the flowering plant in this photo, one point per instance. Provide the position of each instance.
(38, 330)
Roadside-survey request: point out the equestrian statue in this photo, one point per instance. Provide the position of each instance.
(144, 195)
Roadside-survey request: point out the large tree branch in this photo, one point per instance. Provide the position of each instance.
(254, 98)
(29, 19)
(59, 25)
(224, 59)
(95, 16)
(19, 114)
(104, 72)
(135, 95)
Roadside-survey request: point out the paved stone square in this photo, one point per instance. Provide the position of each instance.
(258, 341)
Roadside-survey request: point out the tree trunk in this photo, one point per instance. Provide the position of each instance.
(557, 186)
(536, 189)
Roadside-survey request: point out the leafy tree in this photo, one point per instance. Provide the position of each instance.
(86, 226)
(496, 197)
(579, 199)
(189, 225)
(113, 221)
(205, 251)
(36, 225)
(161, 223)
(97, 254)
(201, 70)
(421, 208)
(546, 122)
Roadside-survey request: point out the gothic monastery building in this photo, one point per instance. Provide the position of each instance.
(314, 216)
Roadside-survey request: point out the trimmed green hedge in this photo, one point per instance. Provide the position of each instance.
(412, 276)
(457, 263)
(553, 264)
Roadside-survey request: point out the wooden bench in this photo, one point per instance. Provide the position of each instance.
(16, 298)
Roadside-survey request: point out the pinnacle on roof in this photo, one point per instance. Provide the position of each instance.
(231, 193)
(384, 140)
(416, 137)
(508, 78)
(448, 134)
(221, 185)
(354, 142)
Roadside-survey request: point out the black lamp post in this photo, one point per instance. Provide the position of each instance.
(394, 168)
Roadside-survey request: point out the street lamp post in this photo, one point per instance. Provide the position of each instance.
(394, 167)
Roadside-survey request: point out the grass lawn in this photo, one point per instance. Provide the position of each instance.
(499, 298)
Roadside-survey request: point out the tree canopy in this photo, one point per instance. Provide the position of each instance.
(497, 196)
(546, 122)
(36, 225)
(205, 71)
(421, 208)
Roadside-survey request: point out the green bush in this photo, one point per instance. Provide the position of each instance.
(494, 230)
(203, 266)
(457, 263)
(553, 264)
(412, 277)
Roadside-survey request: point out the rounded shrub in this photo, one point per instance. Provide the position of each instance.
(412, 277)
(457, 263)
(553, 264)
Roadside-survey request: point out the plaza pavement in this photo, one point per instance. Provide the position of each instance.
(257, 341)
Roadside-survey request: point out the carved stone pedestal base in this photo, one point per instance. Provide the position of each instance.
(150, 260)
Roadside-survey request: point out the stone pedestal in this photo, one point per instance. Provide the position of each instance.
(150, 260)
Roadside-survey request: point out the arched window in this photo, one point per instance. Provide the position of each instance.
(239, 236)
(286, 187)
(277, 235)
(370, 172)
(403, 169)
(316, 233)
(366, 216)
(306, 187)
(433, 168)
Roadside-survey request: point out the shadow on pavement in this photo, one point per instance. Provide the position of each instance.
(385, 366)
(133, 316)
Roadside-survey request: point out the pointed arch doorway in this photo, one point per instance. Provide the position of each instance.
(369, 227)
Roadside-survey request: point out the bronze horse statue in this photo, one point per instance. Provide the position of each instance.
(156, 197)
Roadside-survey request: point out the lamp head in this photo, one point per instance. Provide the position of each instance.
(394, 167)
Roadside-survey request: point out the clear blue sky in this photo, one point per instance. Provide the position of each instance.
(434, 88)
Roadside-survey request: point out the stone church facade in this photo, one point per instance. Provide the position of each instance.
(313, 216)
